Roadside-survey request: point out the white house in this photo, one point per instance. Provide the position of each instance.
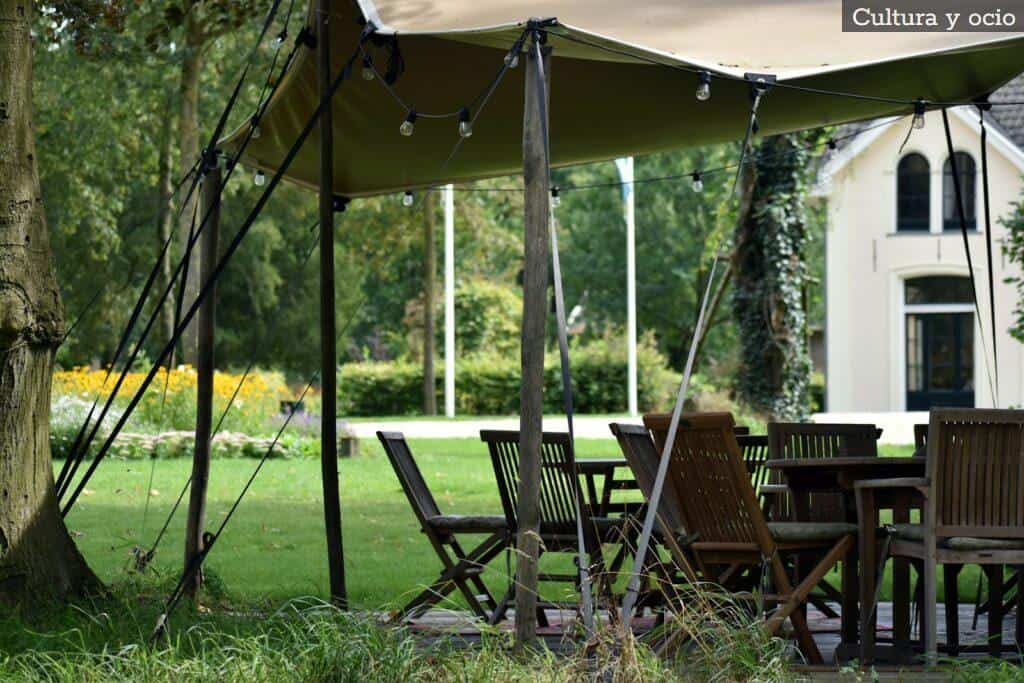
(901, 332)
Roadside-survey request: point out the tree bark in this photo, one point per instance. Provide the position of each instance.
(537, 255)
(188, 140)
(429, 308)
(165, 219)
(38, 560)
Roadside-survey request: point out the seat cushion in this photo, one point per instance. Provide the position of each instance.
(915, 532)
(467, 524)
(804, 532)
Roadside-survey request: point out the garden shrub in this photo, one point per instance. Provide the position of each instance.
(488, 383)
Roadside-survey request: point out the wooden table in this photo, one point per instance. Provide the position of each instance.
(808, 475)
(593, 468)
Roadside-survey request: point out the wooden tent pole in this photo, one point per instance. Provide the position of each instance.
(328, 324)
(205, 329)
(537, 256)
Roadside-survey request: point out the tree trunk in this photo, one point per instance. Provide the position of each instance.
(188, 140)
(38, 560)
(429, 309)
(165, 220)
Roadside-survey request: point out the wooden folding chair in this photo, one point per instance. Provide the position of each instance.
(973, 514)
(461, 570)
(560, 490)
(638, 448)
(720, 509)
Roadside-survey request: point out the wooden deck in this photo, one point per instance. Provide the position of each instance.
(459, 629)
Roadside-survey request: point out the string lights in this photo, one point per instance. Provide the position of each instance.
(919, 108)
(408, 199)
(703, 86)
(368, 71)
(259, 179)
(279, 39)
(556, 198)
(409, 125)
(465, 123)
(512, 57)
(697, 182)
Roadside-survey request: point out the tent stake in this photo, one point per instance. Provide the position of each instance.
(194, 525)
(328, 326)
(535, 285)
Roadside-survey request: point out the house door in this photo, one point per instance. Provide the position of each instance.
(940, 343)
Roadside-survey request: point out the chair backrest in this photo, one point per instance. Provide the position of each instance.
(559, 486)
(643, 458)
(976, 470)
(920, 438)
(817, 440)
(788, 440)
(713, 488)
(754, 449)
(409, 475)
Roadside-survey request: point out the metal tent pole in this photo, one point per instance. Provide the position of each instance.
(448, 197)
(328, 324)
(625, 167)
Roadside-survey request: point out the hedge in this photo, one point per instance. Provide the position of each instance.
(488, 384)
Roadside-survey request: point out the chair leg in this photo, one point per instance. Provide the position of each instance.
(928, 609)
(950, 573)
(994, 574)
(1018, 628)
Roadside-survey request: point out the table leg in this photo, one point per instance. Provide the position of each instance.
(901, 579)
(867, 517)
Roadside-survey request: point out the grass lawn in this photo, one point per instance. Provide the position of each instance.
(274, 547)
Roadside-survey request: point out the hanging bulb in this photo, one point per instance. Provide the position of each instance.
(408, 199)
(409, 125)
(512, 58)
(259, 179)
(832, 145)
(703, 86)
(556, 199)
(918, 115)
(256, 132)
(698, 182)
(367, 68)
(465, 123)
(279, 40)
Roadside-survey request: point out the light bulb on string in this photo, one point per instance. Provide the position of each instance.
(919, 109)
(279, 40)
(409, 125)
(259, 179)
(703, 86)
(256, 132)
(556, 198)
(512, 58)
(367, 68)
(408, 199)
(698, 182)
(465, 123)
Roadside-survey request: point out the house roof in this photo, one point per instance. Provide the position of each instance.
(1010, 118)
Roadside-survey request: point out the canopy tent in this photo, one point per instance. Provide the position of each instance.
(625, 76)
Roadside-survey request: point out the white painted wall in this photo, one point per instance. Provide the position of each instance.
(867, 261)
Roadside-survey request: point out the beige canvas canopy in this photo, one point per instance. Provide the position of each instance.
(607, 99)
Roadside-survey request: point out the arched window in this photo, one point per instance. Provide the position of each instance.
(913, 190)
(966, 169)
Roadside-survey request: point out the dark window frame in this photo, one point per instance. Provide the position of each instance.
(913, 201)
(968, 171)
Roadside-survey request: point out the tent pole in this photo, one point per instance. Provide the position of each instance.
(448, 197)
(196, 521)
(535, 284)
(328, 324)
(625, 166)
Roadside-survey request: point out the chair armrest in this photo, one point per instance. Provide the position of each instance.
(894, 483)
(773, 489)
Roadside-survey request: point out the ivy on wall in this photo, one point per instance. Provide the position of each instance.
(775, 368)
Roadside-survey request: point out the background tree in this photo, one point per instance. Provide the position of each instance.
(771, 273)
(38, 559)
